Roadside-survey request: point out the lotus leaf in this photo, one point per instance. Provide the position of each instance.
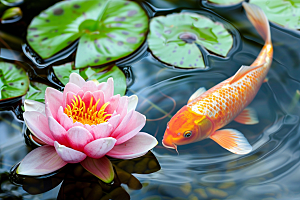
(36, 92)
(283, 12)
(108, 30)
(175, 39)
(225, 2)
(63, 72)
(14, 81)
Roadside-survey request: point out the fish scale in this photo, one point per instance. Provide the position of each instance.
(224, 104)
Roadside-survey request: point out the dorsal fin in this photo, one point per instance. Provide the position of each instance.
(242, 71)
(196, 94)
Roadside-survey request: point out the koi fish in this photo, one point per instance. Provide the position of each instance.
(208, 111)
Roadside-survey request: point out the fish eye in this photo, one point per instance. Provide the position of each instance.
(187, 134)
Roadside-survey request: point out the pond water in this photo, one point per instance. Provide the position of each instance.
(202, 170)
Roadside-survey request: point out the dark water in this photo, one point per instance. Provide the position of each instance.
(202, 170)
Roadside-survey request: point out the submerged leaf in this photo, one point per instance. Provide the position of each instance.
(282, 12)
(174, 39)
(14, 81)
(63, 72)
(108, 30)
(225, 2)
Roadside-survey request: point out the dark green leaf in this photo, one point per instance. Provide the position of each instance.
(108, 30)
(173, 39)
(282, 12)
(14, 81)
(63, 72)
(11, 13)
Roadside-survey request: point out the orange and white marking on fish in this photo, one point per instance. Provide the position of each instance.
(208, 111)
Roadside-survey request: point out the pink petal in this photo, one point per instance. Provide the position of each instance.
(114, 102)
(55, 100)
(102, 130)
(101, 168)
(122, 109)
(99, 95)
(132, 102)
(78, 137)
(89, 127)
(114, 121)
(89, 86)
(47, 110)
(132, 123)
(76, 79)
(107, 88)
(31, 105)
(70, 87)
(69, 155)
(87, 97)
(69, 98)
(40, 161)
(78, 124)
(98, 148)
(137, 146)
(37, 123)
(64, 120)
(58, 132)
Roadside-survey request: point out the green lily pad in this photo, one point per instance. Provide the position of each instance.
(12, 2)
(14, 81)
(225, 2)
(36, 92)
(108, 30)
(173, 39)
(283, 12)
(11, 14)
(63, 72)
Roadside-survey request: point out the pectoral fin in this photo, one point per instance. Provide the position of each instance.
(232, 140)
(247, 116)
(196, 94)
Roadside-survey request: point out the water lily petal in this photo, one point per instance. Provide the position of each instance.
(55, 100)
(101, 168)
(70, 87)
(78, 137)
(69, 98)
(76, 79)
(58, 132)
(40, 161)
(31, 105)
(37, 123)
(102, 130)
(64, 120)
(99, 95)
(114, 102)
(114, 120)
(47, 110)
(107, 88)
(132, 123)
(69, 155)
(98, 148)
(87, 97)
(123, 105)
(137, 146)
(132, 102)
(89, 86)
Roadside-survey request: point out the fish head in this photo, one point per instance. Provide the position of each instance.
(186, 127)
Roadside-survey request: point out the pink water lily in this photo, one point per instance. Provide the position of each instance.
(82, 124)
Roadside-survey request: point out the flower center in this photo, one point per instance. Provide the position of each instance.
(79, 112)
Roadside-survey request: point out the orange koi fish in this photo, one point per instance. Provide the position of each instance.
(208, 111)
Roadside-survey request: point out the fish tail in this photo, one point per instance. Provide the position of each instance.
(259, 20)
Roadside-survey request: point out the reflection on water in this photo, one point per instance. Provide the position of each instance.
(202, 170)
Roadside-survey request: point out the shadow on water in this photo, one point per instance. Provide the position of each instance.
(202, 170)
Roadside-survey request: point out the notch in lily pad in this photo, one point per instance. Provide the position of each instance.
(14, 81)
(178, 39)
(106, 30)
(63, 72)
(282, 12)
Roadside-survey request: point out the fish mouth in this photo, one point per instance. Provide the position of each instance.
(173, 146)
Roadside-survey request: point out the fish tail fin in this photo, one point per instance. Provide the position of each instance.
(259, 20)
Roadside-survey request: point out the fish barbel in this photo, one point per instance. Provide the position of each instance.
(208, 111)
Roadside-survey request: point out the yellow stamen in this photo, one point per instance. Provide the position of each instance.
(79, 112)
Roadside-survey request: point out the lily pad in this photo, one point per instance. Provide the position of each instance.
(36, 92)
(175, 39)
(11, 15)
(108, 30)
(225, 2)
(12, 2)
(14, 81)
(63, 72)
(282, 12)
